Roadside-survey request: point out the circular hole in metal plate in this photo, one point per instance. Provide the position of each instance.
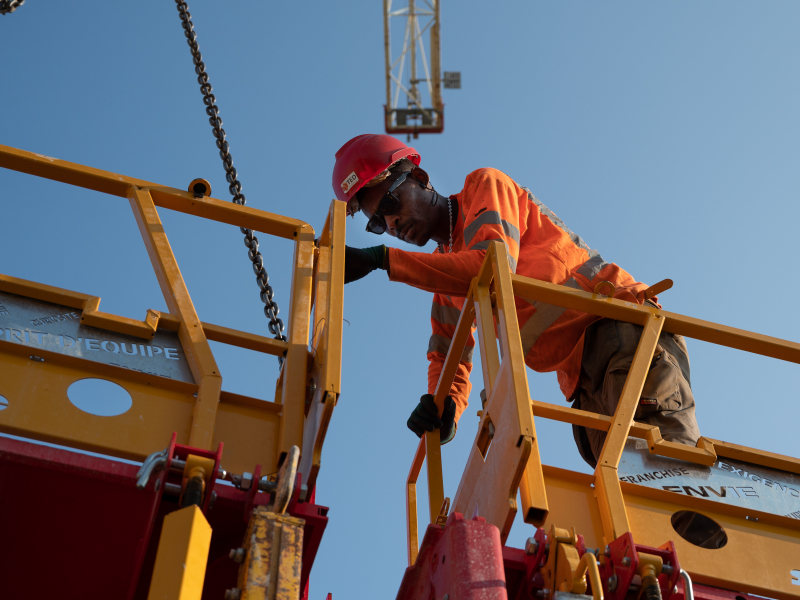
(3, 403)
(99, 397)
(699, 529)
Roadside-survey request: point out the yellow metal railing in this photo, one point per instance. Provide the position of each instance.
(600, 506)
(202, 414)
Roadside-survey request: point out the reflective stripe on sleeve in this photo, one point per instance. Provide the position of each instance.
(544, 317)
(490, 217)
(446, 315)
(593, 266)
(485, 244)
(440, 343)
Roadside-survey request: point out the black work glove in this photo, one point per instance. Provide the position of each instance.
(360, 262)
(426, 418)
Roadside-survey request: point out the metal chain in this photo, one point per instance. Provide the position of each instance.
(9, 6)
(271, 309)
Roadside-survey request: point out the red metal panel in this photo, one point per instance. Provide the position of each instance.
(463, 559)
(73, 524)
(77, 526)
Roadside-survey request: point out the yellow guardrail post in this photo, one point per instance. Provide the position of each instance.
(182, 555)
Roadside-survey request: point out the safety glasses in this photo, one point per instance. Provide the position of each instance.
(388, 205)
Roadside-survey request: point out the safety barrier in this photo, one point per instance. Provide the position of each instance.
(185, 394)
(762, 549)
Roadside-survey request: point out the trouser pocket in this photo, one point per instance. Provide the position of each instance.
(662, 389)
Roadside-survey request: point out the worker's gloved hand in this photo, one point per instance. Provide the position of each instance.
(426, 418)
(360, 262)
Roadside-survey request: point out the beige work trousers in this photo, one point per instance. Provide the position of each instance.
(666, 401)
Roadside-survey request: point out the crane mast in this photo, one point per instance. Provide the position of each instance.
(413, 74)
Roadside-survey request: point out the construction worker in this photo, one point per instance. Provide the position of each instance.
(380, 176)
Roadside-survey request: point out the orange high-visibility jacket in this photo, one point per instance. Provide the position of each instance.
(492, 207)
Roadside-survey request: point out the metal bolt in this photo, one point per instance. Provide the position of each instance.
(667, 569)
(237, 555)
(607, 552)
(531, 546)
(675, 590)
(612, 583)
(626, 561)
(211, 500)
(233, 594)
(543, 593)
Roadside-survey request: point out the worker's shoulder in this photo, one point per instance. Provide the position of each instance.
(489, 173)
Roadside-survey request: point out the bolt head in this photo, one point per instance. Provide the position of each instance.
(237, 555)
(626, 561)
(233, 594)
(612, 583)
(531, 546)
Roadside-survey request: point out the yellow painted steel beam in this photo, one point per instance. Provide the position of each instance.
(195, 345)
(487, 339)
(295, 369)
(531, 481)
(620, 310)
(433, 454)
(609, 494)
(631, 392)
(412, 521)
(510, 341)
(242, 339)
(432, 439)
(759, 457)
(326, 341)
(166, 197)
(273, 557)
(329, 309)
(180, 566)
(88, 304)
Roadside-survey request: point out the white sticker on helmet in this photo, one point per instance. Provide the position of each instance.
(349, 182)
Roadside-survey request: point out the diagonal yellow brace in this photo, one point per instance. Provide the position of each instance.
(607, 487)
(193, 339)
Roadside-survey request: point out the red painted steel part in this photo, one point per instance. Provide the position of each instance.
(77, 526)
(463, 559)
(624, 547)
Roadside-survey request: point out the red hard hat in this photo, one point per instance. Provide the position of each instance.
(364, 157)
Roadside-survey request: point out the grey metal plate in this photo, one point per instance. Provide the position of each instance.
(48, 326)
(727, 481)
(569, 596)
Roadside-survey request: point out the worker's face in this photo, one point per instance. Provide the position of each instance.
(414, 220)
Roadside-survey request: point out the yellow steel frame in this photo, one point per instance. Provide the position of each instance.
(762, 549)
(202, 414)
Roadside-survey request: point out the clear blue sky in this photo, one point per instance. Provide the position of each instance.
(666, 134)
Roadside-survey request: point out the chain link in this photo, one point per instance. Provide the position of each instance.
(271, 309)
(9, 6)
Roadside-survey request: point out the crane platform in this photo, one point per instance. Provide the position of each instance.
(184, 490)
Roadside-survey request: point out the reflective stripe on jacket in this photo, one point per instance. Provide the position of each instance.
(492, 207)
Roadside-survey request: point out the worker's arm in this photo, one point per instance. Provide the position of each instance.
(490, 205)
